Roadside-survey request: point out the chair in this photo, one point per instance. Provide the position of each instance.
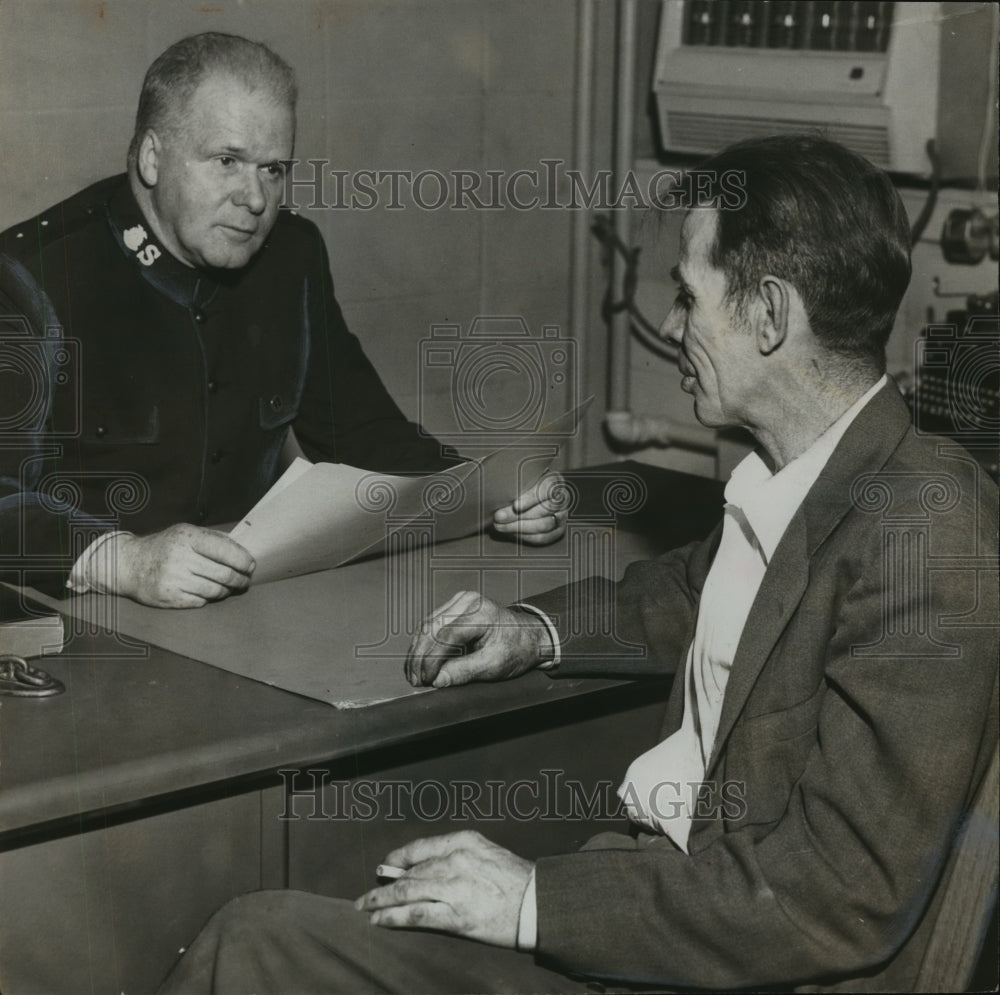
(970, 895)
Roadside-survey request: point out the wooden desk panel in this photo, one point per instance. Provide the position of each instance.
(106, 911)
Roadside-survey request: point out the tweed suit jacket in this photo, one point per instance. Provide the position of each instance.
(858, 720)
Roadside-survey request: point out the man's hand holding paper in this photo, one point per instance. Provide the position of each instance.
(183, 566)
(537, 516)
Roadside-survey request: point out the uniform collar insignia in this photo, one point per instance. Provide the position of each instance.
(186, 286)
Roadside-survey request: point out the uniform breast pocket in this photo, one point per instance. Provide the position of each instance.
(111, 425)
(768, 754)
(278, 406)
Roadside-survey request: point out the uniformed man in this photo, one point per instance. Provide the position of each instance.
(166, 329)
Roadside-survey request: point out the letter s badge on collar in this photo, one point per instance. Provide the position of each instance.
(149, 255)
(133, 238)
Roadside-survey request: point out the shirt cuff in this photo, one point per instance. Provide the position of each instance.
(527, 924)
(552, 631)
(80, 580)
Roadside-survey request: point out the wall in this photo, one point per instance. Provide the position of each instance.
(414, 85)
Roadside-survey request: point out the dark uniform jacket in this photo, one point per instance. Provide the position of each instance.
(136, 392)
(859, 717)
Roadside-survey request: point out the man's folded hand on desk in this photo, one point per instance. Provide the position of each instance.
(471, 638)
(459, 883)
(184, 566)
(538, 516)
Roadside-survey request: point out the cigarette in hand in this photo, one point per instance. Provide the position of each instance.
(389, 872)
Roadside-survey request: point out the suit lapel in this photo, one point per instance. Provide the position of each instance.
(865, 447)
(779, 595)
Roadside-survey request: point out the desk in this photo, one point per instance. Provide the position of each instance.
(149, 793)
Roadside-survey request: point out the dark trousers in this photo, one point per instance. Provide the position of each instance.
(293, 943)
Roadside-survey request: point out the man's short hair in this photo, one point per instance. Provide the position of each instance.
(175, 75)
(829, 222)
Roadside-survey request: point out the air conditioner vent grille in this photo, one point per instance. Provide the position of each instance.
(707, 133)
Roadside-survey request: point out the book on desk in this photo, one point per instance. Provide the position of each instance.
(27, 627)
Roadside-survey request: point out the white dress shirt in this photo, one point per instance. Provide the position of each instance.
(661, 785)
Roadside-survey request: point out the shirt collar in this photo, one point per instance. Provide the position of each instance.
(769, 501)
(189, 287)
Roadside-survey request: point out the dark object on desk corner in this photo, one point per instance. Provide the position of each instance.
(18, 679)
(27, 628)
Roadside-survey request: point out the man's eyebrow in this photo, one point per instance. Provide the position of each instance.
(240, 152)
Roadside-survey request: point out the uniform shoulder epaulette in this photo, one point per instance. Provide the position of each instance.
(293, 221)
(60, 220)
(296, 235)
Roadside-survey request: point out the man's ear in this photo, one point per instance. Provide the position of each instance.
(147, 160)
(776, 301)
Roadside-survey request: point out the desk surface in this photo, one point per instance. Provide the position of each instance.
(131, 732)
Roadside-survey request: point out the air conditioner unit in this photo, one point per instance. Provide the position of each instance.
(882, 78)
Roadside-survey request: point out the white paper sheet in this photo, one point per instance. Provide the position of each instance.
(322, 515)
(333, 513)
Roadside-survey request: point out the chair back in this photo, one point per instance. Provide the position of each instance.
(970, 894)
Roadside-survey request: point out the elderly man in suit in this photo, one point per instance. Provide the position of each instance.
(835, 649)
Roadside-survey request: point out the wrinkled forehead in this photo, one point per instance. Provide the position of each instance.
(223, 89)
(698, 235)
(223, 109)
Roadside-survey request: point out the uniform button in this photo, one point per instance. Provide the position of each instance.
(100, 431)
(200, 316)
(276, 402)
(215, 456)
(212, 386)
